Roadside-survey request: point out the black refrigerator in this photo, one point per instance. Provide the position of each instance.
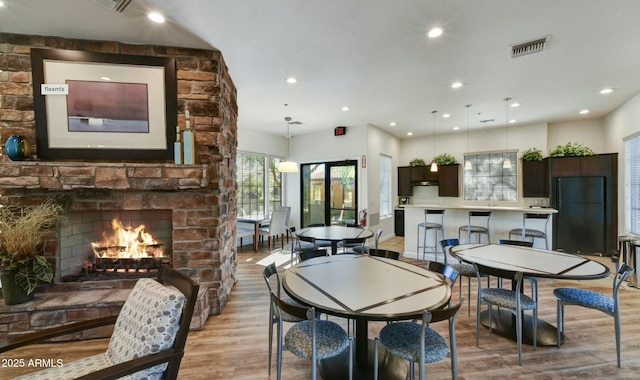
(580, 224)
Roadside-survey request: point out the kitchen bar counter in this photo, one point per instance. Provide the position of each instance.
(503, 219)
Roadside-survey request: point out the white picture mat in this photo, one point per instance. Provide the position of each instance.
(57, 72)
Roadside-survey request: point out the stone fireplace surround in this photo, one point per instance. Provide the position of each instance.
(201, 197)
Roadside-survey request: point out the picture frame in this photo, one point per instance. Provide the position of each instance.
(118, 107)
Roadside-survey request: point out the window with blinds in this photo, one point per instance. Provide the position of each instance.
(259, 184)
(632, 184)
(385, 186)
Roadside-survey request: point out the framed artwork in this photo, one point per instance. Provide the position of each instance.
(116, 107)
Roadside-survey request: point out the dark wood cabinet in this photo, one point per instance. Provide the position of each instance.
(449, 180)
(398, 222)
(535, 178)
(423, 174)
(405, 189)
(585, 193)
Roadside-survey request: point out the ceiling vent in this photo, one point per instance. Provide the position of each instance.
(529, 47)
(119, 6)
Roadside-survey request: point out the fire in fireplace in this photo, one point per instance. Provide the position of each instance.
(127, 249)
(126, 245)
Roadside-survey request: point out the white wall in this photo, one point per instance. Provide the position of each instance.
(620, 124)
(590, 133)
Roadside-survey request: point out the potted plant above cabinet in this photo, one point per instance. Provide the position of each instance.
(535, 174)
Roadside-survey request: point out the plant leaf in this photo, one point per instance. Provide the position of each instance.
(27, 280)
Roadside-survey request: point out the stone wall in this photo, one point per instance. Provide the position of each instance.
(202, 196)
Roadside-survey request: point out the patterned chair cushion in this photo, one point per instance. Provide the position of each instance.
(586, 298)
(147, 324)
(530, 233)
(506, 298)
(464, 269)
(331, 339)
(402, 339)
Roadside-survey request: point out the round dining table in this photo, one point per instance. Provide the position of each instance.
(532, 262)
(365, 288)
(335, 234)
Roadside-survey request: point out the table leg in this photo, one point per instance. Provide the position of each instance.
(334, 247)
(256, 235)
(389, 366)
(504, 324)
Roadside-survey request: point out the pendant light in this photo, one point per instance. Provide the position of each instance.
(506, 164)
(467, 163)
(288, 166)
(434, 166)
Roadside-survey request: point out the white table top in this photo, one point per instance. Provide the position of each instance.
(531, 261)
(335, 233)
(363, 286)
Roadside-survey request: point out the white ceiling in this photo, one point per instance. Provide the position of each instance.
(373, 56)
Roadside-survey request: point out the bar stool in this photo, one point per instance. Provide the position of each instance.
(632, 254)
(478, 224)
(624, 250)
(433, 220)
(531, 232)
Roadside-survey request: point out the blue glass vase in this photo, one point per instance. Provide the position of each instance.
(17, 148)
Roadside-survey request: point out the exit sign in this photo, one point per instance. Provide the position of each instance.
(340, 131)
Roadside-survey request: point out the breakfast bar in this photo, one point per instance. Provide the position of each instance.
(503, 219)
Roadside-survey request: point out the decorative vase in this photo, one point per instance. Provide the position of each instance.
(12, 292)
(17, 148)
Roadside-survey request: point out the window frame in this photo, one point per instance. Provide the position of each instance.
(485, 184)
(271, 188)
(632, 183)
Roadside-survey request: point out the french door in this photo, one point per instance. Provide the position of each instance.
(329, 193)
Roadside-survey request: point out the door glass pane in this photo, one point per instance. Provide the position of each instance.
(313, 203)
(342, 194)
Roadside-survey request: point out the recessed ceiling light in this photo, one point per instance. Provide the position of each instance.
(345, 108)
(605, 91)
(512, 121)
(584, 112)
(456, 85)
(409, 133)
(105, 78)
(435, 32)
(392, 124)
(516, 104)
(291, 80)
(156, 17)
(456, 128)
(446, 115)
(1, 4)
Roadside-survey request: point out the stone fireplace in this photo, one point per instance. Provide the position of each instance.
(194, 205)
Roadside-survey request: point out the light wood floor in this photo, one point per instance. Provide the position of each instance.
(233, 345)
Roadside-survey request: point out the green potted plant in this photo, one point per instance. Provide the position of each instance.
(533, 154)
(417, 162)
(444, 159)
(22, 261)
(571, 150)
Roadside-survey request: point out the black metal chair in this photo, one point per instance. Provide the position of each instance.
(464, 269)
(311, 338)
(403, 339)
(512, 299)
(269, 272)
(307, 254)
(366, 248)
(532, 280)
(609, 305)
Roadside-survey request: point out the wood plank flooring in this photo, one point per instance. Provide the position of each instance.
(234, 345)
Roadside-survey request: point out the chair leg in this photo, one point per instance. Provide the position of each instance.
(616, 322)
(375, 358)
(270, 341)
(559, 320)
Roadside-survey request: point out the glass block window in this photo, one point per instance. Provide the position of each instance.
(486, 178)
